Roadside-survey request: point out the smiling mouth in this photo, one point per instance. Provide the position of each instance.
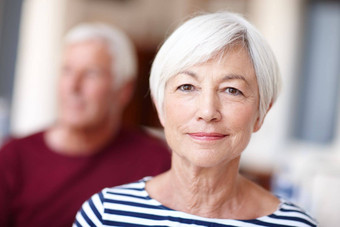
(207, 136)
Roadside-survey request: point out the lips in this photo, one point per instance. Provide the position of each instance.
(207, 136)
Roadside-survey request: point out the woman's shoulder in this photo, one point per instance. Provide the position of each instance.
(136, 187)
(122, 193)
(94, 210)
(289, 212)
(271, 208)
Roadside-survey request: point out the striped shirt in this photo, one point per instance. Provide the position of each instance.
(131, 205)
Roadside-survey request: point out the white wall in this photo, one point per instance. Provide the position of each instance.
(36, 73)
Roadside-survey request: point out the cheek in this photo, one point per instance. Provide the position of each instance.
(98, 91)
(244, 118)
(176, 118)
(171, 120)
(177, 112)
(64, 86)
(65, 93)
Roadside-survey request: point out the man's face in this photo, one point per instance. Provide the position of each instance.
(86, 94)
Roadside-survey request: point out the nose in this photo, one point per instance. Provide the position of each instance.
(209, 107)
(75, 81)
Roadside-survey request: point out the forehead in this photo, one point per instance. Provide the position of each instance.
(87, 47)
(233, 63)
(90, 52)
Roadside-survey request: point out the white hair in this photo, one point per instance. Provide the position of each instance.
(120, 47)
(204, 37)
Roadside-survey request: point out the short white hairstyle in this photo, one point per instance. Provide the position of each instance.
(206, 36)
(120, 47)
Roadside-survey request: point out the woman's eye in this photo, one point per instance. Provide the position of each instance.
(233, 91)
(186, 87)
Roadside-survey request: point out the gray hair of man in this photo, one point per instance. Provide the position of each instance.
(206, 37)
(120, 47)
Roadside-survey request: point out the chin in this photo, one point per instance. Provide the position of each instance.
(205, 158)
(208, 163)
(75, 122)
(213, 158)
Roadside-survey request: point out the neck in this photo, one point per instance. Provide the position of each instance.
(79, 141)
(217, 192)
(207, 192)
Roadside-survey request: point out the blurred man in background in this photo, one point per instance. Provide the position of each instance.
(45, 177)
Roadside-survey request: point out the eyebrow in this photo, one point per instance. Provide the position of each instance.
(189, 73)
(234, 77)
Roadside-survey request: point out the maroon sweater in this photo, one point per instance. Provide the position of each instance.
(39, 187)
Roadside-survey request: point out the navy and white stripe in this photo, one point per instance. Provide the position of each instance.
(130, 205)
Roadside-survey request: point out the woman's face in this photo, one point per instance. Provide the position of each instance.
(211, 109)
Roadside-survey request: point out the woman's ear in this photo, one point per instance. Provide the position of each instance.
(259, 122)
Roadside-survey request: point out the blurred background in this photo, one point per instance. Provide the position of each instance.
(297, 152)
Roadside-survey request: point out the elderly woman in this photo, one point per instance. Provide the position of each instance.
(213, 82)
